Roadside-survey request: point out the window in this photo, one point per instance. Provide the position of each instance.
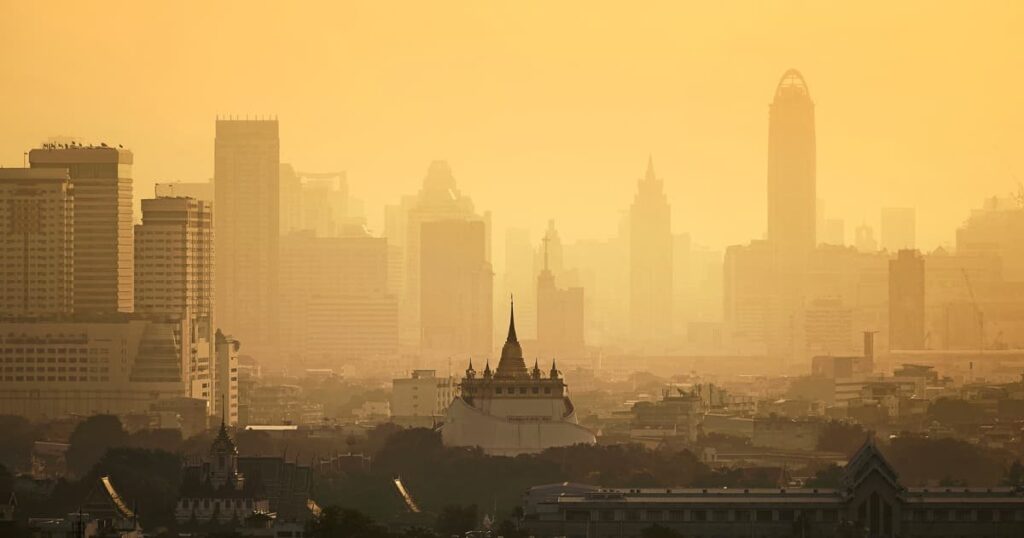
(700, 515)
(607, 515)
(764, 515)
(653, 515)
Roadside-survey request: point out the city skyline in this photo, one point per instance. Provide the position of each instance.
(699, 107)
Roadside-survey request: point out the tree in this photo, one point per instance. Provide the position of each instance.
(19, 436)
(842, 437)
(337, 522)
(1014, 475)
(456, 520)
(91, 439)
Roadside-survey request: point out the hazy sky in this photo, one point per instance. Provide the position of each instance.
(545, 109)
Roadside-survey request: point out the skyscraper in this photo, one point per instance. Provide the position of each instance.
(246, 195)
(791, 173)
(103, 246)
(906, 301)
(438, 199)
(559, 311)
(174, 276)
(650, 256)
(456, 289)
(36, 242)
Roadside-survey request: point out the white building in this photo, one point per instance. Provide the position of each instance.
(421, 400)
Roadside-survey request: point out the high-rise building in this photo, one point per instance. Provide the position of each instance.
(438, 199)
(174, 257)
(336, 304)
(103, 245)
(791, 173)
(996, 228)
(899, 228)
(650, 255)
(906, 301)
(748, 304)
(36, 242)
(560, 326)
(456, 289)
(246, 194)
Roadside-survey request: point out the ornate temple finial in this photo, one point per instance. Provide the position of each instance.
(512, 321)
(554, 369)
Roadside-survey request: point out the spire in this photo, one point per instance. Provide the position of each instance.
(649, 176)
(512, 322)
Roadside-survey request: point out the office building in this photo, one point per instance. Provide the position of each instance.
(899, 228)
(335, 304)
(36, 242)
(906, 300)
(103, 247)
(246, 195)
(174, 256)
(456, 293)
(650, 261)
(560, 327)
(997, 228)
(439, 199)
(118, 364)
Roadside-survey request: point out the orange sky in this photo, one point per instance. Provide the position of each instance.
(544, 109)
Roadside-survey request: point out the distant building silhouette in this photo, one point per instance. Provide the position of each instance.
(174, 276)
(560, 326)
(335, 303)
(834, 233)
(36, 242)
(246, 193)
(456, 288)
(650, 255)
(864, 239)
(792, 175)
(102, 181)
(996, 228)
(906, 301)
(438, 199)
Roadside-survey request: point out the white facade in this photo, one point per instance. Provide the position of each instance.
(422, 399)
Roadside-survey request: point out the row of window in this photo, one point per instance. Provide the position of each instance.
(10, 378)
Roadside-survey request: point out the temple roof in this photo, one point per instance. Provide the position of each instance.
(511, 364)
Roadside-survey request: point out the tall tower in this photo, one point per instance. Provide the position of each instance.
(36, 242)
(650, 257)
(456, 287)
(792, 179)
(246, 195)
(104, 261)
(906, 300)
(174, 276)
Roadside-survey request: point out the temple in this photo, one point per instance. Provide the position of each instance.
(513, 409)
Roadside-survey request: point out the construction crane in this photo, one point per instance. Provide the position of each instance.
(977, 311)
